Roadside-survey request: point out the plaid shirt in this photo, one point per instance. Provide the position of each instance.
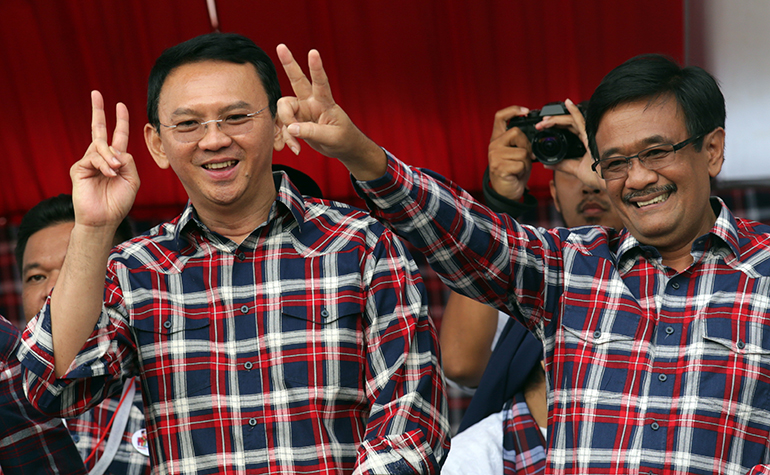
(30, 443)
(523, 443)
(88, 428)
(650, 371)
(305, 349)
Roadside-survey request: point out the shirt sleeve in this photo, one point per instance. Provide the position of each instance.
(478, 253)
(106, 360)
(30, 442)
(407, 429)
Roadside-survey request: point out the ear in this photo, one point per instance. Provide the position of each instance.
(155, 146)
(714, 145)
(552, 186)
(278, 141)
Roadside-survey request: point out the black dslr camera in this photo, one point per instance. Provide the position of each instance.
(554, 144)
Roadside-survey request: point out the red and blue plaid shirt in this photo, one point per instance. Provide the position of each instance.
(90, 431)
(30, 443)
(523, 442)
(650, 370)
(305, 349)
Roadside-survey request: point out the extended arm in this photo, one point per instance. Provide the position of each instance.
(104, 184)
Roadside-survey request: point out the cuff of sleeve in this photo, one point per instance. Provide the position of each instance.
(389, 189)
(500, 204)
(405, 454)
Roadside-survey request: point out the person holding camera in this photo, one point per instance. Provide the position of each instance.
(656, 335)
(483, 347)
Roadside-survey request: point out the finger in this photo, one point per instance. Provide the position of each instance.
(98, 119)
(322, 92)
(501, 119)
(580, 120)
(290, 141)
(513, 137)
(120, 136)
(299, 82)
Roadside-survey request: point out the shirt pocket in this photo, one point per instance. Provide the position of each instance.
(321, 345)
(166, 347)
(735, 364)
(596, 351)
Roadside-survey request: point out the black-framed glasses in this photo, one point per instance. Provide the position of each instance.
(653, 158)
(192, 130)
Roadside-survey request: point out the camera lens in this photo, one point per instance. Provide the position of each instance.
(549, 147)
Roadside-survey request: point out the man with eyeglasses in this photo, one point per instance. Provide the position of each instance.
(272, 332)
(657, 337)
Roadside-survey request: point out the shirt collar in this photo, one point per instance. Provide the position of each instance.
(288, 199)
(725, 232)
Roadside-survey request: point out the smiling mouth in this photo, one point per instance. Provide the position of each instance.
(657, 199)
(220, 165)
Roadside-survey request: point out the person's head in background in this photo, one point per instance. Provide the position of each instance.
(582, 205)
(44, 234)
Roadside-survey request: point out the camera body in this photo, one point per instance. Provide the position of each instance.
(552, 145)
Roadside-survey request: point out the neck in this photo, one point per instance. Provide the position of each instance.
(537, 403)
(236, 223)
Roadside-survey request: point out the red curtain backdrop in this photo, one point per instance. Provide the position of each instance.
(422, 78)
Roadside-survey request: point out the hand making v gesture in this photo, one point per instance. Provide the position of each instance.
(105, 180)
(313, 116)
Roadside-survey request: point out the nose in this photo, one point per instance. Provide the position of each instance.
(213, 137)
(639, 176)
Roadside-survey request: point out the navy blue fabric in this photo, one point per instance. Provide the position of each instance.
(516, 353)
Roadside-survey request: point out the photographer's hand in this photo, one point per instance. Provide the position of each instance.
(510, 155)
(575, 123)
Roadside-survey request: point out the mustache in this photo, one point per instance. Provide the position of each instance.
(670, 188)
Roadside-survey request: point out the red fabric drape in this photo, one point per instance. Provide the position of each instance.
(421, 78)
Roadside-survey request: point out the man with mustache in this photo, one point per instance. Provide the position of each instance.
(657, 336)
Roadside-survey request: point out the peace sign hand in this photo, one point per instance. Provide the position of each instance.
(313, 116)
(105, 180)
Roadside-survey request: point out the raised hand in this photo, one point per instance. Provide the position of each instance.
(313, 116)
(510, 155)
(105, 180)
(574, 122)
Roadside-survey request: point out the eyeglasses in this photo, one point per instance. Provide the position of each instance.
(192, 130)
(653, 158)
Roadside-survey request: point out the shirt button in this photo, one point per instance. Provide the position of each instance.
(662, 377)
(252, 422)
(241, 256)
(675, 285)
(248, 365)
(167, 324)
(655, 426)
(669, 330)
(245, 309)
(75, 438)
(597, 334)
(741, 344)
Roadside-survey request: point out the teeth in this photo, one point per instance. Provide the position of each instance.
(658, 199)
(218, 166)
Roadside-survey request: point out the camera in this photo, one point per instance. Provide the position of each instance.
(552, 145)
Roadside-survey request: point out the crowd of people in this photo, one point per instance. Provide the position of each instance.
(268, 330)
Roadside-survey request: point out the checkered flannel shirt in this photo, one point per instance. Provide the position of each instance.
(650, 370)
(30, 443)
(88, 428)
(523, 443)
(305, 349)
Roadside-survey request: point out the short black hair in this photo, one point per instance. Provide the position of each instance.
(228, 47)
(50, 212)
(650, 77)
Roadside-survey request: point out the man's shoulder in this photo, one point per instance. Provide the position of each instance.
(155, 246)
(340, 220)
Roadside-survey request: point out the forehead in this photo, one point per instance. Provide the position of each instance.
(211, 82)
(49, 245)
(629, 127)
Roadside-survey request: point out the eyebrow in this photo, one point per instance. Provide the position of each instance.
(234, 106)
(29, 267)
(644, 143)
